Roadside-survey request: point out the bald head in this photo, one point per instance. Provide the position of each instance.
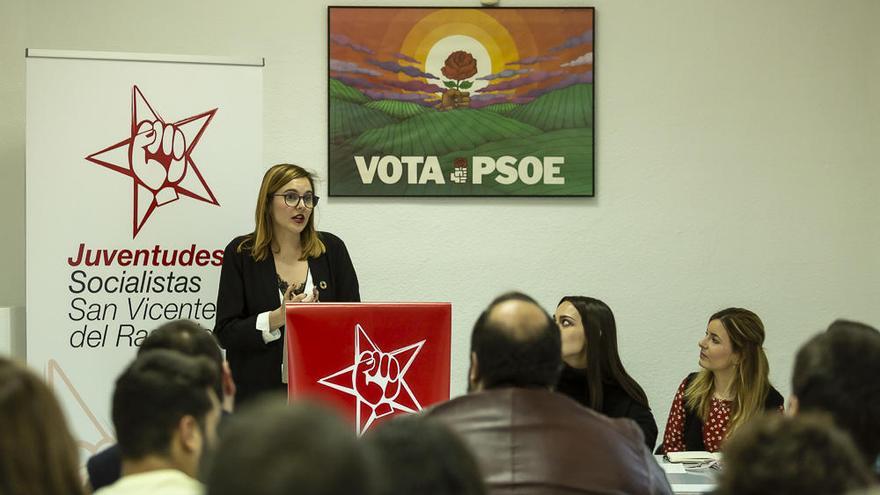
(521, 319)
(515, 344)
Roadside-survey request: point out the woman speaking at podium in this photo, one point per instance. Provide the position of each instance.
(285, 259)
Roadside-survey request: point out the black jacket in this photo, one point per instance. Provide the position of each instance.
(248, 288)
(104, 468)
(616, 403)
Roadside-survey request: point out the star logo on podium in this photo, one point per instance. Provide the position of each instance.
(160, 164)
(388, 393)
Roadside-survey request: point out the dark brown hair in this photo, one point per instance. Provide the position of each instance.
(803, 455)
(603, 358)
(155, 391)
(38, 455)
(836, 372)
(417, 454)
(275, 448)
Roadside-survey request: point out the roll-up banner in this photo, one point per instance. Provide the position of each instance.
(140, 168)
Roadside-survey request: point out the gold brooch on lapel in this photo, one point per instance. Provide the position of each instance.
(322, 285)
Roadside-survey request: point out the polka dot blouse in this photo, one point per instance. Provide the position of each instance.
(714, 428)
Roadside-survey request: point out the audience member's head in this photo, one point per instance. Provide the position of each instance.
(418, 455)
(852, 326)
(515, 343)
(800, 455)
(185, 336)
(836, 372)
(271, 448)
(732, 346)
(38, 455)
(190, 338)
(165, 410)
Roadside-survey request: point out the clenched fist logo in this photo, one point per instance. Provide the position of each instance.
(157, 155)
(377, 380)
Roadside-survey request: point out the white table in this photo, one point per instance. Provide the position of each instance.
(688, 481)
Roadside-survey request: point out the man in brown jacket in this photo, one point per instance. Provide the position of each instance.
(528, 439)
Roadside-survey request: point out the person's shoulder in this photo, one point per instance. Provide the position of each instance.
(333, 245)
(329, 239)
(774, 399)
(687, 381)
(232, 246)
(111, 453)
(234, 243)
(104, 467)
(546, 404)
(167, 481)
(619, 400)
(455, 409)
(587, 421)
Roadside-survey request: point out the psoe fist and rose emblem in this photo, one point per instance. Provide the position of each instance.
(157, 156)
(459, 66)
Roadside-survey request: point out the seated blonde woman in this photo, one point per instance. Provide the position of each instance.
(732, 388)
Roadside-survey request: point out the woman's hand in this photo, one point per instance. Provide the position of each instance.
(313, 297)
(278, 316)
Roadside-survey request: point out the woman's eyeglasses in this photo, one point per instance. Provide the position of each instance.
(292, 199)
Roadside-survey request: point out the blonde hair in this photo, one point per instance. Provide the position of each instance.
(750, 384)
(259, 242)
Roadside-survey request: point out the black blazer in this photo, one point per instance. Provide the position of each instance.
(616, 403)
(248, 288)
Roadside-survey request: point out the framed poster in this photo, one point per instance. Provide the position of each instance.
(460, 101)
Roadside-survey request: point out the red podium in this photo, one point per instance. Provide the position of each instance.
(369, 360)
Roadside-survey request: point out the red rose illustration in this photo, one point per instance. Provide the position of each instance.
(459, 65)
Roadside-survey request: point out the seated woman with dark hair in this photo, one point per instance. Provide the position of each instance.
(593, 373)
(38, 455)
(732, 388)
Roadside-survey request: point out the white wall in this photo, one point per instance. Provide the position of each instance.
(12, 335)
(12, 44)
(737, 164)
(871, 244)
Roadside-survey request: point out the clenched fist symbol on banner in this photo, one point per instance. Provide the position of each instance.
(377, 381)
(157, 155)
